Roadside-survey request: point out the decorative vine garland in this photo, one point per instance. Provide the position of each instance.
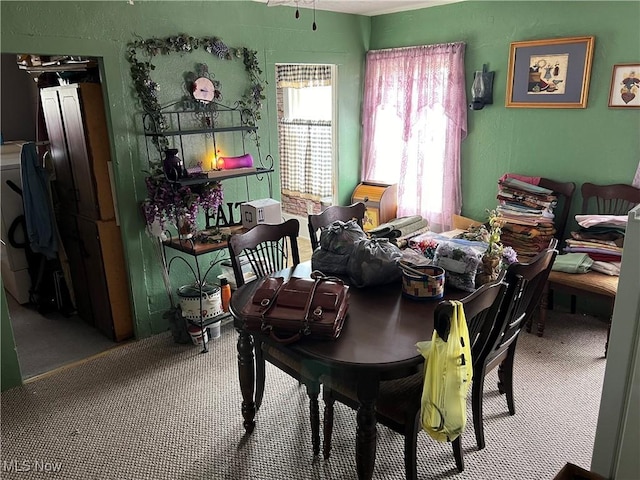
(147, 89)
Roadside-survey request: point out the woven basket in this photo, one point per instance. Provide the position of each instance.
(422, 282)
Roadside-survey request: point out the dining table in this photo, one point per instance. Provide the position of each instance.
(377, 343)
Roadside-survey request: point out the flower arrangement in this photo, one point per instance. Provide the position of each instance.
(169, 202)
(496, 249)
(427, 247)
(496, 257)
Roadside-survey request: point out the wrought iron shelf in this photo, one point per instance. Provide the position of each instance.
(195, 248)
(221, 175)
(200, 131)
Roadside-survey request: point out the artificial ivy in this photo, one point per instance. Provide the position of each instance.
(147, 89)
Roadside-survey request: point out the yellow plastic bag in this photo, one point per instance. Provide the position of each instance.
(447, 377)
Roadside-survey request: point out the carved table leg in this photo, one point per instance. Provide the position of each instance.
(328, 421)
(313, 390)
(246, 374)
(366, 428)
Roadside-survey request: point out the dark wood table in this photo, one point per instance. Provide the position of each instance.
(378, 342)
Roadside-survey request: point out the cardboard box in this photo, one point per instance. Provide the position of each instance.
(573, 472)
(266, 210)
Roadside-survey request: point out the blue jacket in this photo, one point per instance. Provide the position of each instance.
(38, 211)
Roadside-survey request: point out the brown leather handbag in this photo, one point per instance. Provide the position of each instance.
(289, 310)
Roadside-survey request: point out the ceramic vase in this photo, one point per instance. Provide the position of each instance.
(185, 228)
(490, 270)
(172, 164)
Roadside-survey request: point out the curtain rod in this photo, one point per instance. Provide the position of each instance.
(450, 44)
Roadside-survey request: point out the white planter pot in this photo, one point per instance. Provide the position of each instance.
(200, 302)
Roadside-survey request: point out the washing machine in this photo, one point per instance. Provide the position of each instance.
(15, 269)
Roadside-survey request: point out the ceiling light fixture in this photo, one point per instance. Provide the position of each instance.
(315, 27)
(296, 3)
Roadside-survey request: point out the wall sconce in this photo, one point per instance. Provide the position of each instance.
(481, 89)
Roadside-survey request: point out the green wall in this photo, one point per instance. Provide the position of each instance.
(596, 144)
(9, 368)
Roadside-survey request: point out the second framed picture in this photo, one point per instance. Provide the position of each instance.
(552, 73)
(625, 86)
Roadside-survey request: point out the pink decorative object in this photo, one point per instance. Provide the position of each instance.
(242, 161)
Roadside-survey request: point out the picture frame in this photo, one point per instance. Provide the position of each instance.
(625, 86)
(553, 73)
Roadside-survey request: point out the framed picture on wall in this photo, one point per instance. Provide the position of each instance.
(550, 73)
(625, 86)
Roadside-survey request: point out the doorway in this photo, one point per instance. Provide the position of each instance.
(305, 98)
(48, 332)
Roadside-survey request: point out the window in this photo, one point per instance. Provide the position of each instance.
(414, 113)
(305, 135)
(308, 103)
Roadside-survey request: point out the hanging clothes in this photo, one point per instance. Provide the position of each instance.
(38, 211)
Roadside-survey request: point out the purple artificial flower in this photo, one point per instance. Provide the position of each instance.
(165, 201)
(509, 255)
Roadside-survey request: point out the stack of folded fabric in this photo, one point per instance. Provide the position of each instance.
(527, 213)
(572, 263)
(601, 237)
(399, 230)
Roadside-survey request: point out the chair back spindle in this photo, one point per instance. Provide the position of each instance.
(615, 199)
(564, 192)
(268, 248)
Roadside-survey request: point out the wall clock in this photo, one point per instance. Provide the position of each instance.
(203, 90)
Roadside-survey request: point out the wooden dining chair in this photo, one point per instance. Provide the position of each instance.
(399, 401)
(525, 286)
(331, 214)
(271, 248)
(615, 199)
(564, 193)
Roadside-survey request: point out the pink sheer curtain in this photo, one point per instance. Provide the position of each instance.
(415, 118)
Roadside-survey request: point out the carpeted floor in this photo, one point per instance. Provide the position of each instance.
(154, 409)
(47, 342)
